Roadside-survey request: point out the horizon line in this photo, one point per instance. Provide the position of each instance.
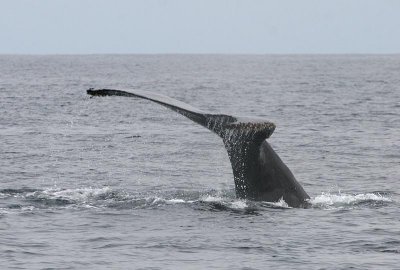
(200, 54)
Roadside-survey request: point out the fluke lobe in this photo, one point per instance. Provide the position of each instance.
(258, 171)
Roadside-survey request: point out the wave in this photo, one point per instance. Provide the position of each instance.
(343, 200)
(212, 200)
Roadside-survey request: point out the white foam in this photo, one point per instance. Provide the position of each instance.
(342, 199)
(79, 194)
(155, 200)
(173, 201)
(92, 197)
(209, 198)
(239, 204)
(281, 203)
(4, 211)
(28, 208)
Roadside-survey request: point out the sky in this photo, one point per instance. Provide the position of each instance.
(199, 26)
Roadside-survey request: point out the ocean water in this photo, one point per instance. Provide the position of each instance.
(121, 183)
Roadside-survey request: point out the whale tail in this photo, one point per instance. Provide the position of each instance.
(259, 173)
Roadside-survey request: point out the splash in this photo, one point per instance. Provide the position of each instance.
(79, 195)
(281, 203)
(223, 202)
(17, 200)
(343, 200)
(31, 199)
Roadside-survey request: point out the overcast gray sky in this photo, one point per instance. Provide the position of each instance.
(199, 26)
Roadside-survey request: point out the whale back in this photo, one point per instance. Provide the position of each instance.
(259, 173)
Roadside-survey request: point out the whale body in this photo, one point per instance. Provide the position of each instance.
(259, 173)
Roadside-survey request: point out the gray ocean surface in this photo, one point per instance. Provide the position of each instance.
(122, 183)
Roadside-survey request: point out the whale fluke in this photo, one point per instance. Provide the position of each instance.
(259, 173)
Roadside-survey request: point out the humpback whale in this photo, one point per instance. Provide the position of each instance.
(259, 173)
